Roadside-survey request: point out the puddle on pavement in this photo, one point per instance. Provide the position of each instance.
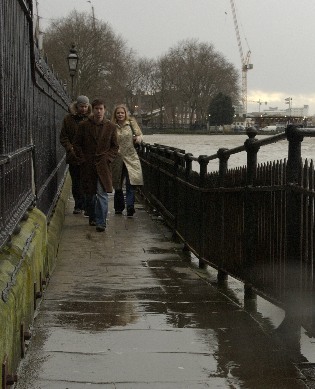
(200, 322)
(159, 250)
(267, 314)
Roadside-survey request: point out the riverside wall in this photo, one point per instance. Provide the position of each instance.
(26, 264)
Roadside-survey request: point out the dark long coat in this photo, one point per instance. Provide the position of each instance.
(68, 130)
(96, 146)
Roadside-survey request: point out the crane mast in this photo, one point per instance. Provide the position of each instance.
(244, 59)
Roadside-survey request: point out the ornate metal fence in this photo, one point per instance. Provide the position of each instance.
(32, 105)
(254, 222)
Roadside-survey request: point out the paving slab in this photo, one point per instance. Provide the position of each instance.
(126, 309)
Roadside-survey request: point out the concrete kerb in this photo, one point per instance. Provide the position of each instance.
(24, 270)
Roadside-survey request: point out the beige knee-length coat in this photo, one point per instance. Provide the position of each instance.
(127, 155)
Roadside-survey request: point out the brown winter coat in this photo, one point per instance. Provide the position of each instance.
(68, 130)
(127, 155)
(96, 147)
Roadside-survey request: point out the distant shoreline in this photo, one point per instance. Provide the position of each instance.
(200, 132)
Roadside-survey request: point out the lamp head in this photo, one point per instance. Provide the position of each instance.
(73, 60)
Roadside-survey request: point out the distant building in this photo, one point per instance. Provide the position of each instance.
(276, 116)
(292, 111)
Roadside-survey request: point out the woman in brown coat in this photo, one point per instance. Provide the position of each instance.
(126, 166)
(96, 146)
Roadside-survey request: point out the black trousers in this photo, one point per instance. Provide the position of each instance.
(119, 200)
(77, 194)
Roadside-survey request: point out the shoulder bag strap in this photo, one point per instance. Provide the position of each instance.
(132, 129)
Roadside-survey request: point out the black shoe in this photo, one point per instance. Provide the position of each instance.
(92, 223)
(118, 212)
(130, 210)
(76, 211)
(100, 228)
(85, 214)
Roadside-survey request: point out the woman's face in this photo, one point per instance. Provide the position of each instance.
(120, 115)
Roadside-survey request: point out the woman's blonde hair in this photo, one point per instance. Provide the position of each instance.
(123, 106)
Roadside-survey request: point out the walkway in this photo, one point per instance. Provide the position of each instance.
(124, 310)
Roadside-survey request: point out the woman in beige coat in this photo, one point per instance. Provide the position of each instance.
(126, 166)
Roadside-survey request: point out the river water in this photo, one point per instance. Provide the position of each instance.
(209, 145)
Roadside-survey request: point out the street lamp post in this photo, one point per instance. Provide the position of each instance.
(208, 122)
(288, 100)
(73, 60)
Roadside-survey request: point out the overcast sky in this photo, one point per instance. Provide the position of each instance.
(279, 33)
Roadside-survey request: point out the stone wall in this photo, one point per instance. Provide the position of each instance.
(25, 267)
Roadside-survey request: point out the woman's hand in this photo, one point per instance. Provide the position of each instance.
(137, 139)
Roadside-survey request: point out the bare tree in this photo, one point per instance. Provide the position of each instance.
(138, 81)
(182, 82)
(103, 56)
(194, 74)
(146, 86)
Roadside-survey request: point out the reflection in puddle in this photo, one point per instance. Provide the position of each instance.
(268, 315)
(97, 316)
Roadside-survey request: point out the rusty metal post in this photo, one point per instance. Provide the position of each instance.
(25, 335)
(7, 378)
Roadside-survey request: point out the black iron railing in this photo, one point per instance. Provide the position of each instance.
(254, 222)
(33, 103)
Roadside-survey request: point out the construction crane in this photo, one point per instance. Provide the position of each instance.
(259, 102)
(244, 59)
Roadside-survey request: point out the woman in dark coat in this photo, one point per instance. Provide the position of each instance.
(96, 146)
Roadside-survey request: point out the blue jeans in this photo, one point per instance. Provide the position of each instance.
(98, 206)
(119, 202)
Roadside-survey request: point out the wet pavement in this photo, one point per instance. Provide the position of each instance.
(129, 309)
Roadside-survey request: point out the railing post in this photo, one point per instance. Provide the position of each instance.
(293, 223)
(188, 169)
(188, 165)
(176, 203)
(252, 149)
(151, 157)
(203, 163)
(250, 217)
(294, 154)
(294, 165)
(161, 153)
(223, 166)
